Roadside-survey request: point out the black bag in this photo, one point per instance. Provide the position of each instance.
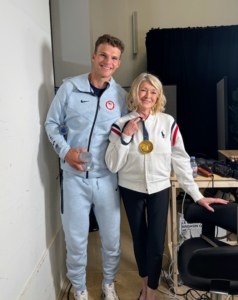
(234, 167)
(222, 169)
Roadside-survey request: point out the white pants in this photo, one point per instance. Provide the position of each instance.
(79, 195)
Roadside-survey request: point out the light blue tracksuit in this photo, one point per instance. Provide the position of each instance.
(88, 119)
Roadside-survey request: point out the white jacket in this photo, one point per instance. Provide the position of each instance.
(150, 173)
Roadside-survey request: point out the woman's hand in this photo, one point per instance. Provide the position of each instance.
(132, 127)
(206, 202)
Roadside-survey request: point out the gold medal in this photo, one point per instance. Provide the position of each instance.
(146, 147)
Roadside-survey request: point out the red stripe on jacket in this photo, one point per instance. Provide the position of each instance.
(175, 135)
(116, 131)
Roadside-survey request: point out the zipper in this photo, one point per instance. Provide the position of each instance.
(94, 121)
(91, 132)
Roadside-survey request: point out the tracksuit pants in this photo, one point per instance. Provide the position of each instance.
(147, 216)
(79, 195)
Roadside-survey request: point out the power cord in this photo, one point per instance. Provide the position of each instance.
(69, 291)
(69, 283)
(172, 294)
(183, 233)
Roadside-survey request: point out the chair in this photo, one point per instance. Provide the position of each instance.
(206, 267)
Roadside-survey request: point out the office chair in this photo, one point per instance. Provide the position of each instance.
(205, 263)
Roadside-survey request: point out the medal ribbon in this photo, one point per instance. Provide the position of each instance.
(145, 146)
(123, 142)
(145, 132)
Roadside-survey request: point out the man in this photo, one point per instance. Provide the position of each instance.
(79, 120)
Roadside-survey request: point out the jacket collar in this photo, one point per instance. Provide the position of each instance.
(82, 83)
(135, 114)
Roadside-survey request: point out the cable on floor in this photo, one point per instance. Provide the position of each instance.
(69, 291)
(65, 290)
(171, 290)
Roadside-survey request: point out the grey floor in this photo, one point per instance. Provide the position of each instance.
(128, 288)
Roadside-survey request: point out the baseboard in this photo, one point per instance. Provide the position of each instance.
(49, 275)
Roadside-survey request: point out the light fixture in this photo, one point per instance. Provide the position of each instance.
(135, 32)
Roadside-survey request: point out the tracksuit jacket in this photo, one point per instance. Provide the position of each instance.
(88, 119)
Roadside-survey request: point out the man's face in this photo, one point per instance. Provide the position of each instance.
(106, 61)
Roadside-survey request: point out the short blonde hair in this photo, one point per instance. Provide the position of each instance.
(132, 96)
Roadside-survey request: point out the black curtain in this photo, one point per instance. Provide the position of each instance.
(195, 59)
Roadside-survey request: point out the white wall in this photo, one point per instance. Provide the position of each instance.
(71, 38)
(32, 250)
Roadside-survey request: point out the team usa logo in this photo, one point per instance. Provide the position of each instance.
(110, 105)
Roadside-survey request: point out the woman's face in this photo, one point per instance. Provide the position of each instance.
(147, 96)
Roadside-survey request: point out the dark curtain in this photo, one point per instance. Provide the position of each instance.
(195, 59)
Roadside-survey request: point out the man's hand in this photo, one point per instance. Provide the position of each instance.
(206, 202)
(72, 158)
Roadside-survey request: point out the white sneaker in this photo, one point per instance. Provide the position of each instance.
(81, 295)
(109, 293)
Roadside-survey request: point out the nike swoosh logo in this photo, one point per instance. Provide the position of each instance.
(84, 101)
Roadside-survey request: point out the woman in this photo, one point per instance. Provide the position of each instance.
(143, 145)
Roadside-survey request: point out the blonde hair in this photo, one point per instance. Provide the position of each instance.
(132, 96)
